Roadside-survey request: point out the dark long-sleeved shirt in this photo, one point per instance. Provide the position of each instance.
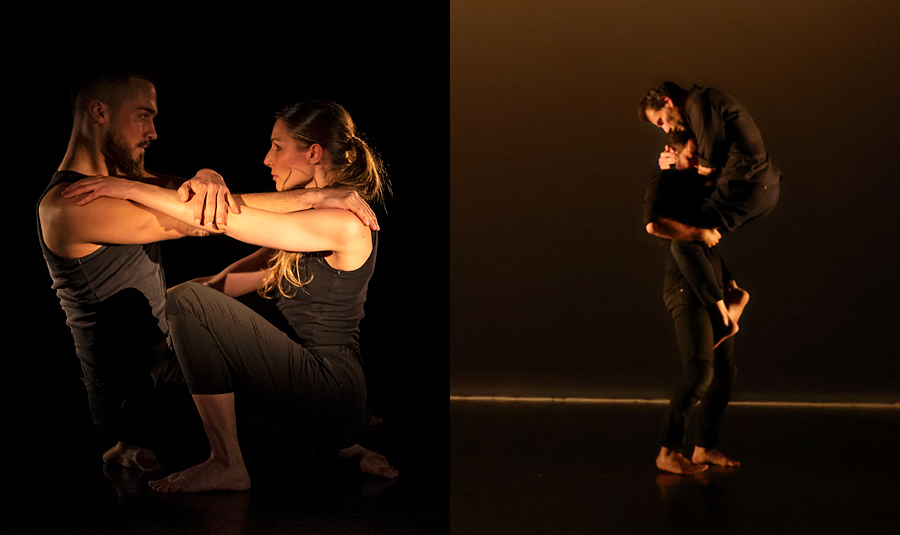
(727, 137)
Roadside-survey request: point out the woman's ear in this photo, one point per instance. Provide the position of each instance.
(315, 153)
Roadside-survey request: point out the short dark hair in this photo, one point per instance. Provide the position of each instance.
(679, 138)
(653, 97)
(102, 73)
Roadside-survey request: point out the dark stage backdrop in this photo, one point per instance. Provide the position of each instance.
(219, 85)
(555, 286)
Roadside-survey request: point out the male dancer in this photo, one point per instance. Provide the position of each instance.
(105, 263)
(671, 203)
(729, 149)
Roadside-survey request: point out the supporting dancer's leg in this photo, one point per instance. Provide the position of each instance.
(712, 409)
(694, 335)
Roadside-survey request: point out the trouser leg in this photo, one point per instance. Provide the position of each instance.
(694, 334)
(693, 259)
(735, 203)
(711, 410)
(224, 346)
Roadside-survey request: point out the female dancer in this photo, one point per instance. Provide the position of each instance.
(316, 263)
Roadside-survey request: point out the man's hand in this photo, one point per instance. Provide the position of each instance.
(99, 186)
(347, 200)
(211, 198)
(710, 236)
(667, 158)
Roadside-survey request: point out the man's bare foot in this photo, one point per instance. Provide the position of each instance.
(671, 461)
(370, 462)
(132, 457)
(736, 298)
(712, 456)
(209, 475)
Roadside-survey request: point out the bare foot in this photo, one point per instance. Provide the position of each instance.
(724, 327)
(670, 461)
(736, 298)
(712, 456)
(132, 457)
(209, 475)
(370, 462)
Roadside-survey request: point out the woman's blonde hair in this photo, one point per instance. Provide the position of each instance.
(354, 165)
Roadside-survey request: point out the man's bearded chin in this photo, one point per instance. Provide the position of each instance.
(118, 154)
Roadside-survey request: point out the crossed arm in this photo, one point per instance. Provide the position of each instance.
(671, 229)
(74, 227)
(308, 230)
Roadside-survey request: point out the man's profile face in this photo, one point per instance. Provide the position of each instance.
(131, 129)
(668, 117)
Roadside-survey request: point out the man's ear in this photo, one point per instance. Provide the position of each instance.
(98, 111)
(668, 102)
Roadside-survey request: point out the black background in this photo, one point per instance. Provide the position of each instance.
(220, 80)
(556, 288)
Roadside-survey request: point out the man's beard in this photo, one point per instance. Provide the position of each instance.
(119, 155)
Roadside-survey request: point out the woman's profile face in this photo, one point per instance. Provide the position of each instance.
(289, 164)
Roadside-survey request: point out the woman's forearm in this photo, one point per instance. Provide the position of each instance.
(310, 230)
(168, 202)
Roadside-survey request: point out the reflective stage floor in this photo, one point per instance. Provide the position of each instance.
(562, 468)
(64, 488)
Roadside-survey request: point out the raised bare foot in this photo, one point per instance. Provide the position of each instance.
(736, 298)
(370, 462)
(712, 456)
(132, 457)
(209, 475)
(670, 461)
(724, 327)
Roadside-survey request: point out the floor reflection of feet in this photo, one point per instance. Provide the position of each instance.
(666, 480)
(127, 482)
(373, 488)
(213, 512)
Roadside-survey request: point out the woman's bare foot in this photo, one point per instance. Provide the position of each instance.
(132, 457)
(671, 461)
(712, 456)
(370, 462)
(724, 326)
(736, 298)
(209, 475)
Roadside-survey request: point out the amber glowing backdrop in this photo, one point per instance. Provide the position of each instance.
(555, 287)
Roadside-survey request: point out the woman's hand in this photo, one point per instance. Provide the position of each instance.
(212, 199)
(100, 186)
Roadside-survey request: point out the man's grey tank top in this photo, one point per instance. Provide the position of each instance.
(114, 299)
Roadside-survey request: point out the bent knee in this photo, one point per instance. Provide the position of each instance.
(182, 296)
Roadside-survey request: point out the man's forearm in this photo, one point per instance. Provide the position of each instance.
(281, 201)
